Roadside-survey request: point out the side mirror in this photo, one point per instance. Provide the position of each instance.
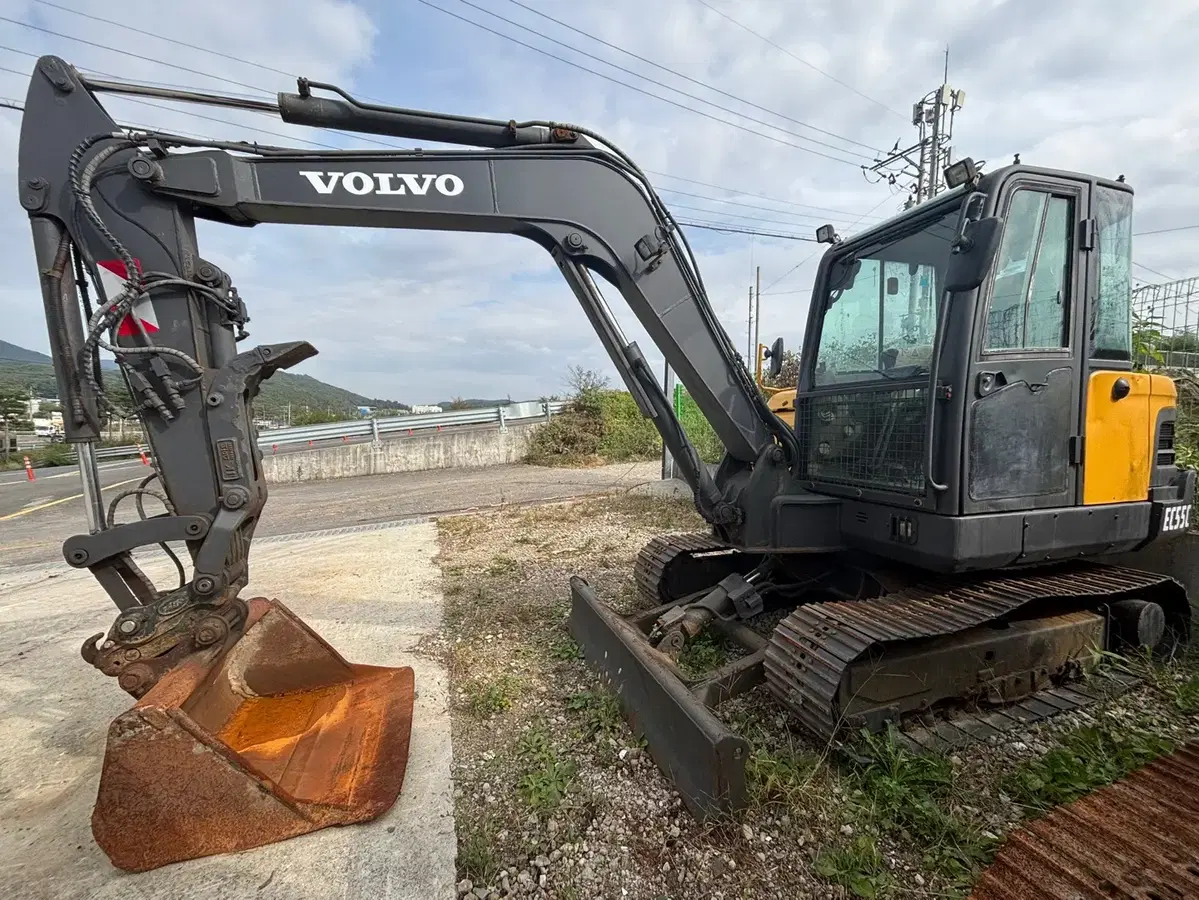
(973, 254)
(775, 355)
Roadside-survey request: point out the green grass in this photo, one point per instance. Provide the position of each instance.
(606, 426)
(546, 775)
(858, 866)
(707, 651)
(909, 796)
(1085, 759)
(489, 698)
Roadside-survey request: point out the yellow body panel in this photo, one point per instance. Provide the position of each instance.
(1120, 436)
(782, 404)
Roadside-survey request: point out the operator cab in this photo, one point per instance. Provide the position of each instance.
(973, 355)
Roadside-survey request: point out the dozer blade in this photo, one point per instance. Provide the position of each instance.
(277, 737)
(699, 754)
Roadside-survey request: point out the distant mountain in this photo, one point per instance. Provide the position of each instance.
(20, 354)
(475, 403)
(22, 369)
(13, 353)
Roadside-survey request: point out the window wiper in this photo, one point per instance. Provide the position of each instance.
(891, 375)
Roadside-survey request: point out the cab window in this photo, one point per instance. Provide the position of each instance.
(1029, 303)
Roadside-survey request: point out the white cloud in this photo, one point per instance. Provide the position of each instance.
(421, 316)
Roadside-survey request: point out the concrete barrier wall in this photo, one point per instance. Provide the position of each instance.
(453, 448)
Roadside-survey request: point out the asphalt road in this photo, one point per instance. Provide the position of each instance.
(36, 517)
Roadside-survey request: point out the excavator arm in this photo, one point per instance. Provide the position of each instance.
(113, 213)
(115, 201)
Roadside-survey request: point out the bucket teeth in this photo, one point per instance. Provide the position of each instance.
(276, 737)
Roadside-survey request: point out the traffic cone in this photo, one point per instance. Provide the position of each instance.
(29, 470)
(142, 452)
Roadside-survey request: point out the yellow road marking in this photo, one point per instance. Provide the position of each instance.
(32, 509)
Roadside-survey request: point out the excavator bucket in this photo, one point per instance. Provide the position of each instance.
(276, 737)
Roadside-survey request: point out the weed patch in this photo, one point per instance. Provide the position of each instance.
(857, 866)
(546, 776)
(1087, 758)
(911, 796)
(486, 698)
(708, 651)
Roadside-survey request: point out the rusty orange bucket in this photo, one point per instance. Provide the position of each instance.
(277, 737)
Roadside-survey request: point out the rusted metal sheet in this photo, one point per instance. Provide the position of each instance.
(813, 649)
(1137, 839)
(278, 737)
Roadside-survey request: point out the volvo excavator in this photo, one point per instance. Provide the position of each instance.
(970, 443)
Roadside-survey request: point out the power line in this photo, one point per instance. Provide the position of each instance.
(717, 212)
(756, 206)
(688, 78)
(798, 59)
(809, 258)
(663, 84)
(125, 25)
(718, 187)
(733, 229)
(633, 87)
(1154, 271)
(262, 90)
(149, 59)
(1165, 230)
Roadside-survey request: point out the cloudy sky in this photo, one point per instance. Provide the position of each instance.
(787, 100)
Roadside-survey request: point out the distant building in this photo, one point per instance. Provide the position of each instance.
(365, 411)
(425, 409)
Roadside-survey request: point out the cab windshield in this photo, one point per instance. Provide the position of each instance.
(880, 305)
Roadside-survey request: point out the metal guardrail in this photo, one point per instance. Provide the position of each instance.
(376, 428)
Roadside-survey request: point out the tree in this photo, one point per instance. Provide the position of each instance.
(316, 417)
(585, 381)
(459, 403)
(14, 410)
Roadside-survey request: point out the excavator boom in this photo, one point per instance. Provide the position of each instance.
(118, 207)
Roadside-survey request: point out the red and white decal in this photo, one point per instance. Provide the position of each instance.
(113, 277)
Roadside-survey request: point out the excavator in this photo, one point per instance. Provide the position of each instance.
(927, 538)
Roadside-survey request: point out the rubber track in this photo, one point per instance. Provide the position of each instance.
(811, 650)
(657, 556)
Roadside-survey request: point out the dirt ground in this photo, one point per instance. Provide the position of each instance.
(555, 798)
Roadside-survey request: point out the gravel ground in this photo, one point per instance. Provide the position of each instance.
(555, 798)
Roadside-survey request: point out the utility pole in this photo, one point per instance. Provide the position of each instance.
(924, 162)
(749, 328)
(753, 361)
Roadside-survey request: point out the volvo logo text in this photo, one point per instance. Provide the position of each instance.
(360, 183)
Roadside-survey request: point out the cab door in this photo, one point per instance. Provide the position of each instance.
(1021, 444)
